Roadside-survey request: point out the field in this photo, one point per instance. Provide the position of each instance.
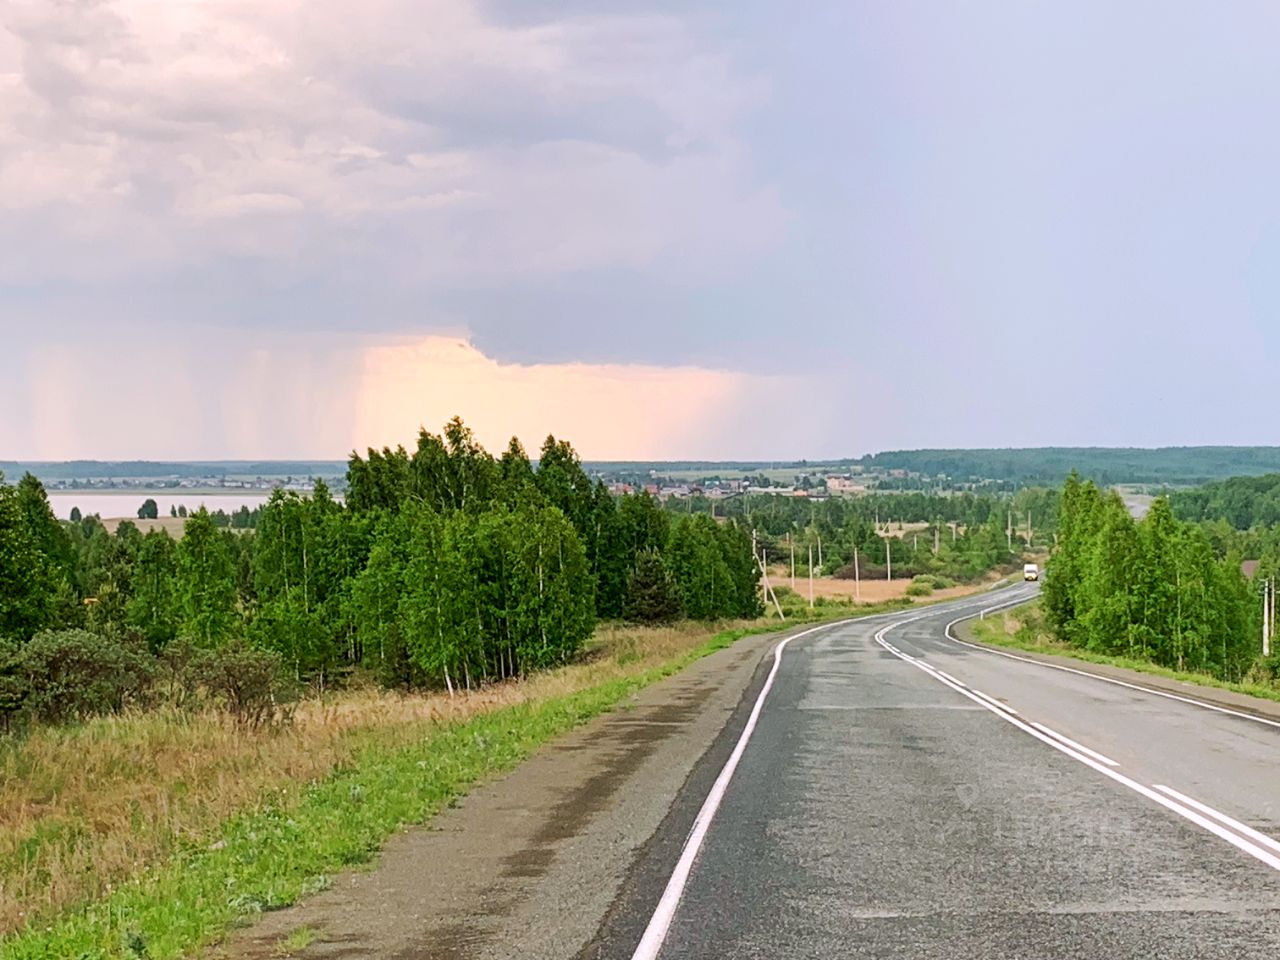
(868, 591)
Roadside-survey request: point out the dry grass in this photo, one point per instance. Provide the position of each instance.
(868, 591)
(174, 526)
(83, 809)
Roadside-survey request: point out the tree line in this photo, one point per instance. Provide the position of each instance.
(1154, 589)
(446, 566)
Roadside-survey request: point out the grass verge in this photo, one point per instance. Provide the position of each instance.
(1023, 628)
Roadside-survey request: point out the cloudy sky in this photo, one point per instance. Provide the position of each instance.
(661, 229)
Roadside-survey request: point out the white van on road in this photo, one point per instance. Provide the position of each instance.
(1030, 571)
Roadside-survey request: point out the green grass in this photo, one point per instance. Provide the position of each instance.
(1035, 640)
(272, 856)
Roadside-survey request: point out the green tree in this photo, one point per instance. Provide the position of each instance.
(149, 510)
(696, 563)
(206, 584)
(152, 611)
(652, 593)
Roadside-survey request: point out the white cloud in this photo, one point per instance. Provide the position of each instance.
(417, 137)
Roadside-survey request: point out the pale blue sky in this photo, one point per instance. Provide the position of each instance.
(902, 224)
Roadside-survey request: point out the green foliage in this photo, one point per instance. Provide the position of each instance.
(206, 584)
(73, 674)
(149, 510)
(445, 567)
(652, 593)
(1153, 590)
(1244, 502)
(152, 611)
(1104, 465)
(248, 682)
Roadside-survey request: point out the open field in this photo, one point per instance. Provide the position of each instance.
(868, 591)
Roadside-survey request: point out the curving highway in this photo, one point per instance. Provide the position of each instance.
(887, 790)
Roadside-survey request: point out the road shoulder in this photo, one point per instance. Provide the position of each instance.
(527, 865)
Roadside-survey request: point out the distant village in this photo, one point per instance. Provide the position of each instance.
(851, 481)
(216, 484)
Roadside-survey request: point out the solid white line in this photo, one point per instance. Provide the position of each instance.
(996, 703)
(655, 933)
(1119, 683)
(1234, 824)
(1101, 758)
(1254, 850)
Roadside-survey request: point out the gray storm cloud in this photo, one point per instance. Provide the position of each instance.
(931, 224)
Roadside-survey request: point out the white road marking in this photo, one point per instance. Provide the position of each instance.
(994, 702)
(1076, 746)
(1204, 808)
(655, 934)
(1085, 673)
(1055, 740)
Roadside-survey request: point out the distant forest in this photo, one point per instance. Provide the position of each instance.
(1103, 465)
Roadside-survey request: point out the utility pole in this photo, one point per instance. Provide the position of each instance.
(768, 589)
(791, 543)
(857, 585)
(1267, 613)
(810, 576)
(915, 542)
(1008, 530)
(1028, 529)
(819, 550)
(888, 559)
(936, 531)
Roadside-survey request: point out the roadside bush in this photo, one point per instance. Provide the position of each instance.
(919, 587)
(73, 674)
(248, 682)
(13, 688)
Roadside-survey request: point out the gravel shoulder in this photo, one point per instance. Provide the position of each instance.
(526, 866)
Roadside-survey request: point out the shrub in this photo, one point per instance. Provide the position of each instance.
(73, 674)
(919, 588)
(13, 686)
(248, 682)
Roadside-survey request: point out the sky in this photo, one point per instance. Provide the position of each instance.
(719, 230)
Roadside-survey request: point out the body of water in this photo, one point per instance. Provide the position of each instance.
(126, 502)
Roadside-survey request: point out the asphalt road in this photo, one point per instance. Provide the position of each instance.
(900, 794)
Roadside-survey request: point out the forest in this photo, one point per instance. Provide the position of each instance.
(1159, 589)
(1244, 502)
(445, 567)
(1103, 465)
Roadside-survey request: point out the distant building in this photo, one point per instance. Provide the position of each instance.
(845, 485)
